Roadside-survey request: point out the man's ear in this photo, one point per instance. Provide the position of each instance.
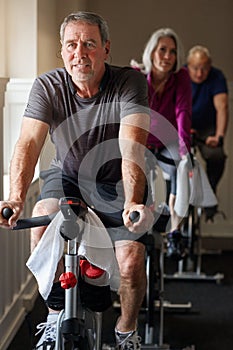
(107, 48)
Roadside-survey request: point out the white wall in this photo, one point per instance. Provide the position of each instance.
(21, 38)
(3, 83)
(3, 40)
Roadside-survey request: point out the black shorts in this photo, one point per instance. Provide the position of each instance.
(101, 198)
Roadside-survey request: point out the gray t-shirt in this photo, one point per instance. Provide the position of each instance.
(85, 130)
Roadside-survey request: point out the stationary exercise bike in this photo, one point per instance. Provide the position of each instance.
(155, 292)
(190, 268)
(79, 326)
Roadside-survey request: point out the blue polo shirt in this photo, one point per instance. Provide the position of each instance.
(203, 110)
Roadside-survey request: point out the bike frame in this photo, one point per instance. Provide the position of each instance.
(74, 320)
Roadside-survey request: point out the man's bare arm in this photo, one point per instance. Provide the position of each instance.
(221, 106)
(132, 139)
(23, 163)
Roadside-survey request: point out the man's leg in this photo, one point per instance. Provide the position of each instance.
(215, 167)
(42, 207)
(131, 259)
(215, 159)
(55, 301)
(45, 207)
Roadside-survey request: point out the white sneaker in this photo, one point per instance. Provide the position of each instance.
(132, 341)
(48, 338)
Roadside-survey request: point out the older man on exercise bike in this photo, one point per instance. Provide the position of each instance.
(98, 119)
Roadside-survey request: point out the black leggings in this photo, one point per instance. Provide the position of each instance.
(215, 159)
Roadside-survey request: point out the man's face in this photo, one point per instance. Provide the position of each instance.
(199, 68)
(83, 52)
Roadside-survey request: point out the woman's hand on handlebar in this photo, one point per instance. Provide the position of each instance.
(16, 208)
(144, 220)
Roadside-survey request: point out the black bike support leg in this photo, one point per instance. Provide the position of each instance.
(161, 294)
(149, 326)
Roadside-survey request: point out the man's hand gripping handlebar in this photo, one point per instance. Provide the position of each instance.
(138, 219)
(70, 207)
(28, 222)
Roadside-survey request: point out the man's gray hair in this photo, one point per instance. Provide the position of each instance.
(201, 50)
(89, 17)
(153, 43)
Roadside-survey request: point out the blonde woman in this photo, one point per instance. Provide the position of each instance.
(170, 97)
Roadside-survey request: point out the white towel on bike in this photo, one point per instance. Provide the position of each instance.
(194, 190)
(96, 246)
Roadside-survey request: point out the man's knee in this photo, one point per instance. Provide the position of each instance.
(131, 261)
(56, 298)
(45, 207)
(42, 207)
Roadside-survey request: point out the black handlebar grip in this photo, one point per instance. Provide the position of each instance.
(134, 216)
(220, 141)
(7, 213)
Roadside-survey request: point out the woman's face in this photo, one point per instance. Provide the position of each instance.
(164, 55)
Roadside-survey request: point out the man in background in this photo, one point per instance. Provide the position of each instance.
(209, 114)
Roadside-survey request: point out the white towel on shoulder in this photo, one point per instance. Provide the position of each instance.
(96, 246)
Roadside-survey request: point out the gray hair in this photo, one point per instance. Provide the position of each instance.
(153, 43)
(201, 50)
(89, 17)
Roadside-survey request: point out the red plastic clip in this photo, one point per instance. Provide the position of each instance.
(68, 280)
(89, 270)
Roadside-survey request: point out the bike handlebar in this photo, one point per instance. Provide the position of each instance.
(28, 222)
(134, 216)
(45, 220)
(195, 138)
(70, 207)
(7, 213)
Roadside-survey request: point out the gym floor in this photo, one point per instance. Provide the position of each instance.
(206, 325)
